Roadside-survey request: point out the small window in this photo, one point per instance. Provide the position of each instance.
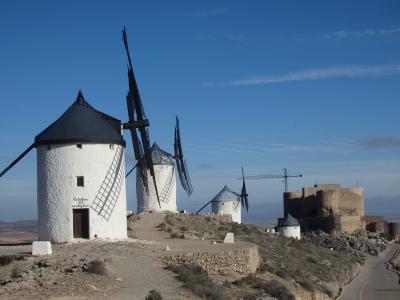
(79, 146)
(80, 181)
(111, 146)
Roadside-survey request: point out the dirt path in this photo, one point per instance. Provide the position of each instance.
(146, 229)
(138, 275)
(375, 281)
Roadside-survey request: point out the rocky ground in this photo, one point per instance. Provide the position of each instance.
(87, 270)
(394, 263)
(359, 244)
(300, 268)
(288, 269)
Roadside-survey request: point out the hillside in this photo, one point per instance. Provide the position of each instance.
(181, 256)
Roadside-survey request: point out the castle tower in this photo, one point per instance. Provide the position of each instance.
(81, 176)
(227, 202)
(164, 169)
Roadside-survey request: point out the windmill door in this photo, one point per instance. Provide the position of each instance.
(81, 223)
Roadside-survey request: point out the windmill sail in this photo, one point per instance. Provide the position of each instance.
(141, 145)
(180, 162)
(17, 159)
(243, 195)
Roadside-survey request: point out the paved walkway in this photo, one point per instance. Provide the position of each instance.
(375, 282)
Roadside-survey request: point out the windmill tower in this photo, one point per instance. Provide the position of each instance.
(228, 202)
(81, 169)
(80, 176)
(164, 169)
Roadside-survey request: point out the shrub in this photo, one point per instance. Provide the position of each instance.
(97, 267)
(282, 273)
(162, 226)
(8, 259)
(278, 290)
(307, 284)
(312, 259)
(169, 220)
(175, 235)
(273, 287)
(197, 280)
(15, 272)
(184, 228)
(153, 295)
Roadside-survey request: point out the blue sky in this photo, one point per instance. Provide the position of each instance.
(310, 86)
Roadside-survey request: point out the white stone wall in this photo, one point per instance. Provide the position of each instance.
(58, 193)
(148, 202)
(228, 208)
(290, 231)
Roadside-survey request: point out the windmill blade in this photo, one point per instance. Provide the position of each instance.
(137, 145)
(17, 159)
(243, 194)
(131, 170)
(180, 161)
(203, 207)
(141, 123)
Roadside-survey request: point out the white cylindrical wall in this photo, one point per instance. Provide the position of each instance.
(166, 186)
(58, 194)
(232, 208)
(290, 231)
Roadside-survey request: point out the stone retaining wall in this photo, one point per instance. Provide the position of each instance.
(242, 261)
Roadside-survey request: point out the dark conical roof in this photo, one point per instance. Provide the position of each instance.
(161, 157)
(290, 221)
(81, 123)
(226, 194)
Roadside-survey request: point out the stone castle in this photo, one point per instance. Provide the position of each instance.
(327, 207)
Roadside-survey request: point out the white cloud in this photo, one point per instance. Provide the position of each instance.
(380, 142)
(340, 34)
(205, 13)
(323, 73)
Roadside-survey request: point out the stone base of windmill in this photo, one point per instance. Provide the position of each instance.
(40, 248)
(229, 238)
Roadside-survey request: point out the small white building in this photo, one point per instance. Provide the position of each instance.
(289, 227)
(227, 202)
(81, 176)
(164, 170)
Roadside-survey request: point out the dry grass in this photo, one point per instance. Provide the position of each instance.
(198, 282)
(175, 235)
(16, 272)
(8, 259)
(153, 295)
(272, 287)
(311, 266)
(97, 267)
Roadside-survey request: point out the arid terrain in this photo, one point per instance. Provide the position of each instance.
(158, 254)
(18, 232)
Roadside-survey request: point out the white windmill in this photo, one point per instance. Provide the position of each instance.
(164, 169)
(81, 169)
(228, 202)
(80, 176)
